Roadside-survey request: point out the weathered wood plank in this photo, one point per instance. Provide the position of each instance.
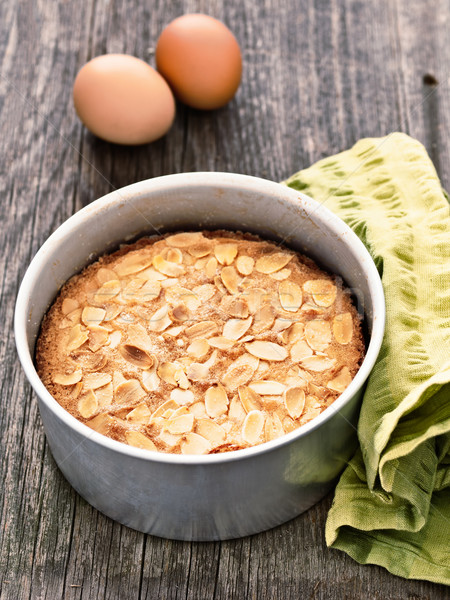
(318, 75)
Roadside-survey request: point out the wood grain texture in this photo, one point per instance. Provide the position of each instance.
(318, 75)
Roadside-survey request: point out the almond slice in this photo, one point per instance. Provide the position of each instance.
(167, 372)
(185, 239)
(96, 380)
(77, 337)
(68, 379)
(104, 274)
(140, 414)
(240, 371)
(88, 405)
(318, 334)
(167, 268)
(132, 263)
(199, 348)
(272, 262)
(318, 363)
(200, 371)
(136, 356)
(235, 307)
(264, 318)
(211, 431)
(221, 342)
(236, 328)
(168, 405)
(202, 329)
(160, 320)
(105, 395)
(280, 325)
(280, 275)
(109, 290)
(225, 253)
(69, 305)
(236, 411)
(245, 265)
(72, 318)
(342, 380)
(290, 295)
(102, 423)
(194, 443)
(266, 350)
(300, 350)
(114, 339)
(323, 291)
(129, 391)
(230, 279)
(294, 401)
(180, 424)
(343, 328)
(150, 379)
(216, 401)
(256, 298)
(92, 315)
(249, 398)
(211, 267)
(273, 427)
(180, 295)
(173, 255)
(253, 426)
(139, 440)
(182, 397)
(98, 337)
(200, 249)
(267, 387)
(198, 410)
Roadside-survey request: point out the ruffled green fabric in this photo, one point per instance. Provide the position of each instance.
(392, 503)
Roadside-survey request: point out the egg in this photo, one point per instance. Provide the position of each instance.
(122, 99)
(201, 60)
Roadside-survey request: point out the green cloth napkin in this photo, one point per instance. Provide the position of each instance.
(392, 503)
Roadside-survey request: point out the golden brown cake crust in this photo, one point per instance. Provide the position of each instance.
(199, 342)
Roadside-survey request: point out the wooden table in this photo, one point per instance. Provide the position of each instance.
(317, 77)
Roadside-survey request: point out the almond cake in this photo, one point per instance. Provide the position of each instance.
(200, 342)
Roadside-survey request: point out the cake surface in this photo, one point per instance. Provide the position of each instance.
(199, 342)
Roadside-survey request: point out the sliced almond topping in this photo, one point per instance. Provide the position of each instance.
(76, 389)
(129, 391)
(266, 350)
(173, 255)
(211, 267)
(295, 333)
(140, 414)
(323, 291)
(180, 295)
(201, 249)
(289, 424)
(169, 282)
(200, 263)
(104, 395)
(267, 387)
(280, 275)
(253, 426)
(139, 440)
(216, 401)
(225, 253)
(204, 292)
(151, 275)
(109, 290)
(112, 311)
(160, 320)
(136, 356)
(221, 342)
(240, 371)
(183, 240)
(179, 313)
(168, 405)
(77, 337)
(294, 400)
(236, 328)
(250, 399)
(272, 262)
(219, 285)
(256, 298)
(318, 334)
(132, 263)
(69, 305)
(230, 279)
(92, 315)
(280, 325)
(98, 337)
(273, 427)
(202, 329)
(290, 295)
(182, 396)
(68, 379)
(169, 439)
(167, 268)
(199, 348)
(245, 264)
(200, 371)
(181, 379)
(114, 339)
(180, 424)
(104, 274)
(167, 372)
(236, 411)
(264, 318)
(194, 443)
(175, 332)
(211, 431)
(102, 423)
(300, 350)
(318, 363)
(96, 380)
(71, 319)
(198, 410)
(343, 328)
(150, 379)
(342, 380)
(235, 307)
(88, 405)
(118, 378)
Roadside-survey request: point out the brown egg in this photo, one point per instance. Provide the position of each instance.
(201, 59)
(122, 99)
